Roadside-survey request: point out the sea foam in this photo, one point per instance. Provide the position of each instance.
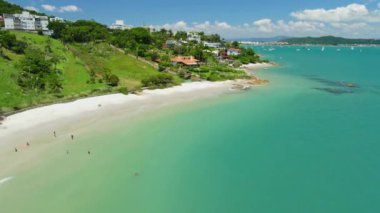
(4, 180)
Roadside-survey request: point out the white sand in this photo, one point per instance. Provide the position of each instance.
(48, 118)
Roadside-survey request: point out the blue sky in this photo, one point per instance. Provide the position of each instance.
(238, 18)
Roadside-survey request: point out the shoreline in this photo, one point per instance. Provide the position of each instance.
(99, 106)
(257, 66)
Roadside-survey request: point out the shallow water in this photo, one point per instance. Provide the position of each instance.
(307, 142)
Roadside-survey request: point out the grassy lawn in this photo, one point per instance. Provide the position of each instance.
(129, 70)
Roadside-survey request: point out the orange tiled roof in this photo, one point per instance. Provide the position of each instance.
(187, 60)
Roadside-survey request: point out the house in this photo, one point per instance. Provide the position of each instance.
(233, 52)
(57, 19)
(223, 54)
(212, 44)
(1, 18)
(25, 21)
(172, 44)
(185, 60)
(119, 25)
(194, 36)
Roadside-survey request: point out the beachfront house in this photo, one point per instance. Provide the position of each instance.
(212, 44)
(26, 22)
(185, 60)
(119, 25)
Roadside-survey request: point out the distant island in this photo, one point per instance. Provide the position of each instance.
(330, 40)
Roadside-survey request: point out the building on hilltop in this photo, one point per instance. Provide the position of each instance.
(25, 21)
(119, 25)
(58, 19)
(194, 36)
(212, 44)
(172, 44)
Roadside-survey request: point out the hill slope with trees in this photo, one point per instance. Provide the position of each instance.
(331, 40)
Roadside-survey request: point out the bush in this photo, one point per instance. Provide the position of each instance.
(113, 80)
(158, 81)
(123, 90)
(9, 41)
(214, 76)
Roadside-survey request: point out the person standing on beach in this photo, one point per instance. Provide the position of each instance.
(16, 150)
(27, 144)
(72, 137)
(55, 134)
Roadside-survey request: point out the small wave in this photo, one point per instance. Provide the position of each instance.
(4, 180)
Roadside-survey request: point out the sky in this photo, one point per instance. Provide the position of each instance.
(231, 19)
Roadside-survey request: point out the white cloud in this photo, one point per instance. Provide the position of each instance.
(354, 20)
(67, 8)
(31, 8)
(264, 25)
(49, 7)
(222, 25)
(70, 8)
(350, 13)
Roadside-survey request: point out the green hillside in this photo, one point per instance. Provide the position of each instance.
(84, 67)
(331, 40)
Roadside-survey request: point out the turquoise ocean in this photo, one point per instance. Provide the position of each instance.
(307, 142)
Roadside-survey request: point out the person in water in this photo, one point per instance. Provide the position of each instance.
(72, 137)
(89, 152)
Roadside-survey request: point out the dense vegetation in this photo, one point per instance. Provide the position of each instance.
(151, 45)
(49, 71)
(331, 40)
(9, 41)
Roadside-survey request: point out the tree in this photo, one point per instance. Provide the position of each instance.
(58, 27)
(38, 74)
(235, 44)
(181, 35)
(10, 42)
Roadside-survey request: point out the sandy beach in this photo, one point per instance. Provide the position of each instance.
(84, 111)
(84, 117)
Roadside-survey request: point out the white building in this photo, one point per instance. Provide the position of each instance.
(119, 25)
(58, 19)
(212, 44)
(25, 21)
(194, 36)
